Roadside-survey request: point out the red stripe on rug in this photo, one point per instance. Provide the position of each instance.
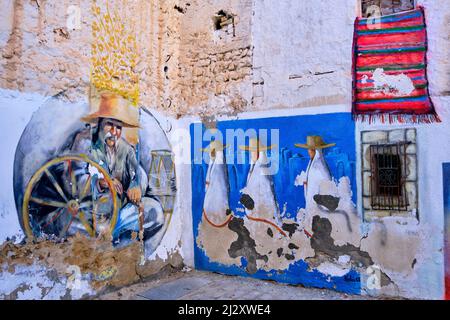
(407, 58)
(381, 95)
(418, 36)
(413, 73)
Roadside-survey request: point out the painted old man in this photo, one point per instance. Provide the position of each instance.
(118, 157)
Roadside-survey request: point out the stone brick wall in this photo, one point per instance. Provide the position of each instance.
(40, 54)
(275, 55)
(215, 65)
(214, 74)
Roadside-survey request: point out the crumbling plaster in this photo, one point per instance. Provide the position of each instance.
(410, 238)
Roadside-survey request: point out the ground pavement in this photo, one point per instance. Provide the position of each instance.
(199, 285)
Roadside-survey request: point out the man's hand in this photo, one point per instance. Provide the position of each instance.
(116, 184)
(103, 184)
(134, 194)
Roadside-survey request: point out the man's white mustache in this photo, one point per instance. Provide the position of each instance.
(109, 136)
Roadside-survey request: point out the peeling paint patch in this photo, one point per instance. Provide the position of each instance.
(80, 266)
(244, 246)
(37, 282)
(216, 242)
(398, 85)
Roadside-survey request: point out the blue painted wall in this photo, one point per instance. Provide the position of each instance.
(333, 128)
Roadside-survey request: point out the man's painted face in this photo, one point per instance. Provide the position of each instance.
(111, 131)
(312, 153)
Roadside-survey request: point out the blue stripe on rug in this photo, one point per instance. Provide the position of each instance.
(385, 19)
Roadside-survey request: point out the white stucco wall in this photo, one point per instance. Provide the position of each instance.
(16, 110)
(427, 280)
(303, 51)
(301, 65)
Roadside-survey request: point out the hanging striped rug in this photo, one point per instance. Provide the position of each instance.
(390, 69)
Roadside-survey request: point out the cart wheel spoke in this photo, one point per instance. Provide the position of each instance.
(55, 216)
(48, 202)
(73, 180)
(55, 204)
(85, 189)
(66, 228)
(85, 204)
(55, 184)
(85, 223)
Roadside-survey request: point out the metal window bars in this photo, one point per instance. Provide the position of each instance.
(388, 174)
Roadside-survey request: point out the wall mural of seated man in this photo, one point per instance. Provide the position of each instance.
(103, 168)
(138, 213)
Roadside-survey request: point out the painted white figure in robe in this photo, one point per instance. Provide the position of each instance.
(259, 190)
(215, 206)
(317, 170)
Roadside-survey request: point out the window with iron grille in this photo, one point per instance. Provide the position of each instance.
(371, 8)
(389, 173)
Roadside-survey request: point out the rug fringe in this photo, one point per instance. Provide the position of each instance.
(397, 118)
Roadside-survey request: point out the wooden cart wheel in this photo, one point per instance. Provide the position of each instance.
(59, 194)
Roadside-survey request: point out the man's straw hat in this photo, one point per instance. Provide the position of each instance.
(255, 145)
(115, 107)
(314, 142)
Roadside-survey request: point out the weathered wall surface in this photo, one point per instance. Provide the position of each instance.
(185, 67)
(215, 66)
(40, 54)
(302, 53)
(302, 63)
(46, 85)
(188, 67)
(426, 274)
(215, 62)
